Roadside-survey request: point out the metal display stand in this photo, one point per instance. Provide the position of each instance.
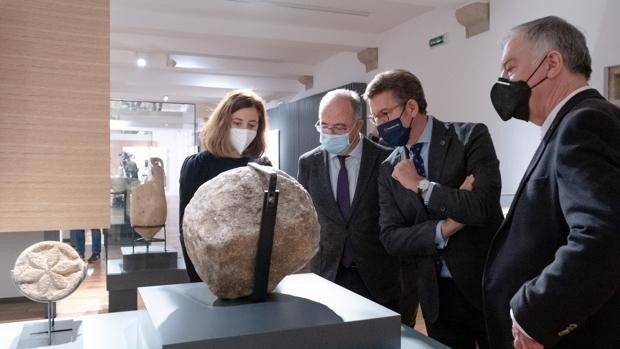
(33, 333)
(50, 321)
(52, 325)
(141, 239)
(265, 237)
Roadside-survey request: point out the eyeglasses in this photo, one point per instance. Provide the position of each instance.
(383, 115)
(337, 129)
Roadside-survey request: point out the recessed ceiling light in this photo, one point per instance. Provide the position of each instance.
(165, 98)
(141, 62)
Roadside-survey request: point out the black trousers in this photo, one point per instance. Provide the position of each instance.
(350, 279)
(460, 325)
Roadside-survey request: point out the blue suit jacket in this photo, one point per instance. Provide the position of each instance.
(408, 226)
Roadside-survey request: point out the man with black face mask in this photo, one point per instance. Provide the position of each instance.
(439, 206)
(552, 277)
(511, 98)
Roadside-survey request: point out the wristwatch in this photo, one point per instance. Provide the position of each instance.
(423, 185)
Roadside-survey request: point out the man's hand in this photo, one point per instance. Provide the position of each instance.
(449, 226)
(468, 183)
(407, 175)
(522, 341)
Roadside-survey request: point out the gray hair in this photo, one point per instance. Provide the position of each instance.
(351, 96)
(554, 33)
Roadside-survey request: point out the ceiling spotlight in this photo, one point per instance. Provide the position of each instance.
(141, 62)
(165, 98)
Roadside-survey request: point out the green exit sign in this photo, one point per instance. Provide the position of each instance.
(438, 40)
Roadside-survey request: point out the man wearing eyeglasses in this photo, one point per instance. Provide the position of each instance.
(439, 200)
(341, 177)
(552, 277)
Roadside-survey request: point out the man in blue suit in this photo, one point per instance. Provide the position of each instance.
(439, 207)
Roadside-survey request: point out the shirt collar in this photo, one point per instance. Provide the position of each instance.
(356, 152)
(425, 137)
(554, 113)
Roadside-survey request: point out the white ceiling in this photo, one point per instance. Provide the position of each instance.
(219, 45)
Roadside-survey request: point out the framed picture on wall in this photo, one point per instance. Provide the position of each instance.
(613, 84)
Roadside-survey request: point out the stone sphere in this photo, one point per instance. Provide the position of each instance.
(221, 227)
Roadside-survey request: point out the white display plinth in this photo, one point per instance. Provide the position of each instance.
(304, 311)
(101, 331)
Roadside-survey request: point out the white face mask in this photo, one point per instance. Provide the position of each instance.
(240, 138)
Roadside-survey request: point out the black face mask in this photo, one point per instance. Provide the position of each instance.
(511, 98)
(394, 133)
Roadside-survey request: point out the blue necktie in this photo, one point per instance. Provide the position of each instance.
(344, 204)
(416, 157)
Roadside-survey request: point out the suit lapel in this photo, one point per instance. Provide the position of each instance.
(570, 104)
(367, 164)
(537, 155)
(327, 193)
(440, 140)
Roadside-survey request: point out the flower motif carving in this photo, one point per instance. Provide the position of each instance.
(48, 271)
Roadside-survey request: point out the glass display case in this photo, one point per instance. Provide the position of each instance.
(140, 131)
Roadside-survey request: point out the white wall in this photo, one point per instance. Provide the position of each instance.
(11, 245)
(179, 144)
(335, 71)
(457, 76)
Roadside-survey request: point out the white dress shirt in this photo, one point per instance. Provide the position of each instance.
(552, 115)
(352, 164)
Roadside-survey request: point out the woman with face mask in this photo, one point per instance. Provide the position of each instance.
(234, 135)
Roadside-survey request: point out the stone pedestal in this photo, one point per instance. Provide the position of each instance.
(121, 331)
(34, 335)
(304, 311)
(122, 283)
(141, 258)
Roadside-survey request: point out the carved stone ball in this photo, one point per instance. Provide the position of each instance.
(48, 271)
(221, 227)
